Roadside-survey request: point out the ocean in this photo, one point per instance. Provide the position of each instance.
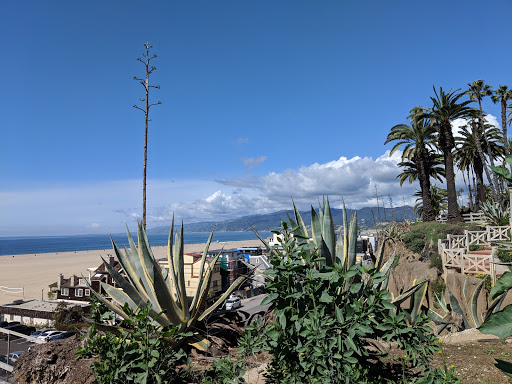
(47, 244)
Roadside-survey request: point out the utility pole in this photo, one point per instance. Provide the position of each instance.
(146, 85)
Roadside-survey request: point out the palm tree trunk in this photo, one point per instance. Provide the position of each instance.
(481, 155)
(453, 206)
(424, 179)
(468, 187)
(504, 126)
(480, 188)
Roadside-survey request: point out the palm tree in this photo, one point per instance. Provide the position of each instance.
(503, 95)
(438, 199)
(417, 142)
(468, 158)
(446, 107)
(477, 90)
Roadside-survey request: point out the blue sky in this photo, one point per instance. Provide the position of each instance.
(262, 101)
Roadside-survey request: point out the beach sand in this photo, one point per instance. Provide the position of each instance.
(34, 273)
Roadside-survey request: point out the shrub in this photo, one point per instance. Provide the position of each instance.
(143, 352)
(436, 262)
(326, 315)
(68, 317)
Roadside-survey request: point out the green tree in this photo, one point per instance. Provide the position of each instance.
(417, 141)
(503, 95)
(477, 90)
(437, 198)
(467, 157)
(446, 108)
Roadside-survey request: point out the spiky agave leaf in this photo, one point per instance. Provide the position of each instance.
(166, 290)
(474, 305)
(418, 298)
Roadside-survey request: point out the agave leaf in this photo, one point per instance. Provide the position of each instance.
(495, 305)
(458, 309)
(170, 261)
(130, 269)
(380, 256)
(352, 242)
(435, 316)
(172, 312)
(504, 366)
(225, 295)
(108, 304)
(418, 298)
(442, 302)
(328, 232)
(474, 304)
(499, 324)
(201, 269)
(316, 227)
(345, 263)
(118, 296)
(128, 289)
(300, 222)
(268, 247)
(203, 288)
(146, 261)
(199, 342)
(387, 266)
(503, 284)
(404, 296)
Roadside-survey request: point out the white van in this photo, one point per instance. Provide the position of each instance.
(233, 302)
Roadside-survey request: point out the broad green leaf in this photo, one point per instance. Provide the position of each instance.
(503, 284)
(499, 324)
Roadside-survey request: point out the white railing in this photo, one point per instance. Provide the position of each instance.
(456, 241)
(454, 250)
(453, 258)
(498, 233)
(473, 217)
(476, 238)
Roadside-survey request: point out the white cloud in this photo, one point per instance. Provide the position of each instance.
(251, 162)
(111, 205)
(242, 140)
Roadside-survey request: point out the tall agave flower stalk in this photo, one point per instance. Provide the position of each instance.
(147, 282)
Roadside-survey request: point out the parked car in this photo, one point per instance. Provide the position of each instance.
(14, 356)
(4, 324)
(233, 302)
(63, 335)
(42, 331)
(49, 334)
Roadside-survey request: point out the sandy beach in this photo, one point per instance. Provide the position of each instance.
(35, 272)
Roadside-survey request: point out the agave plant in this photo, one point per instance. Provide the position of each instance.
(468, 309)
(342, 251)
(146, 281)
(494, 213)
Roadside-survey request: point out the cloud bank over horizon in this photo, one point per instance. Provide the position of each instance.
(108, 206)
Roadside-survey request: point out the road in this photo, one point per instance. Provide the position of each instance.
(253, 304)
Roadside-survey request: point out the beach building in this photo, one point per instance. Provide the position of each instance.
(75, 289)
(33, 312)
(192, 266)
(256, 257)
(231, 266)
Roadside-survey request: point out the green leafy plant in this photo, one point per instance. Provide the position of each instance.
(68, 317)
(140, 351)
(500, 323)
(146, 282)
(225, 371)
(327, 309)
(495, 214)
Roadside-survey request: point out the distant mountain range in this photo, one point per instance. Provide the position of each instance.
(366, 217)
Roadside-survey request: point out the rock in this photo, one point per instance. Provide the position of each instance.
(54, 363)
